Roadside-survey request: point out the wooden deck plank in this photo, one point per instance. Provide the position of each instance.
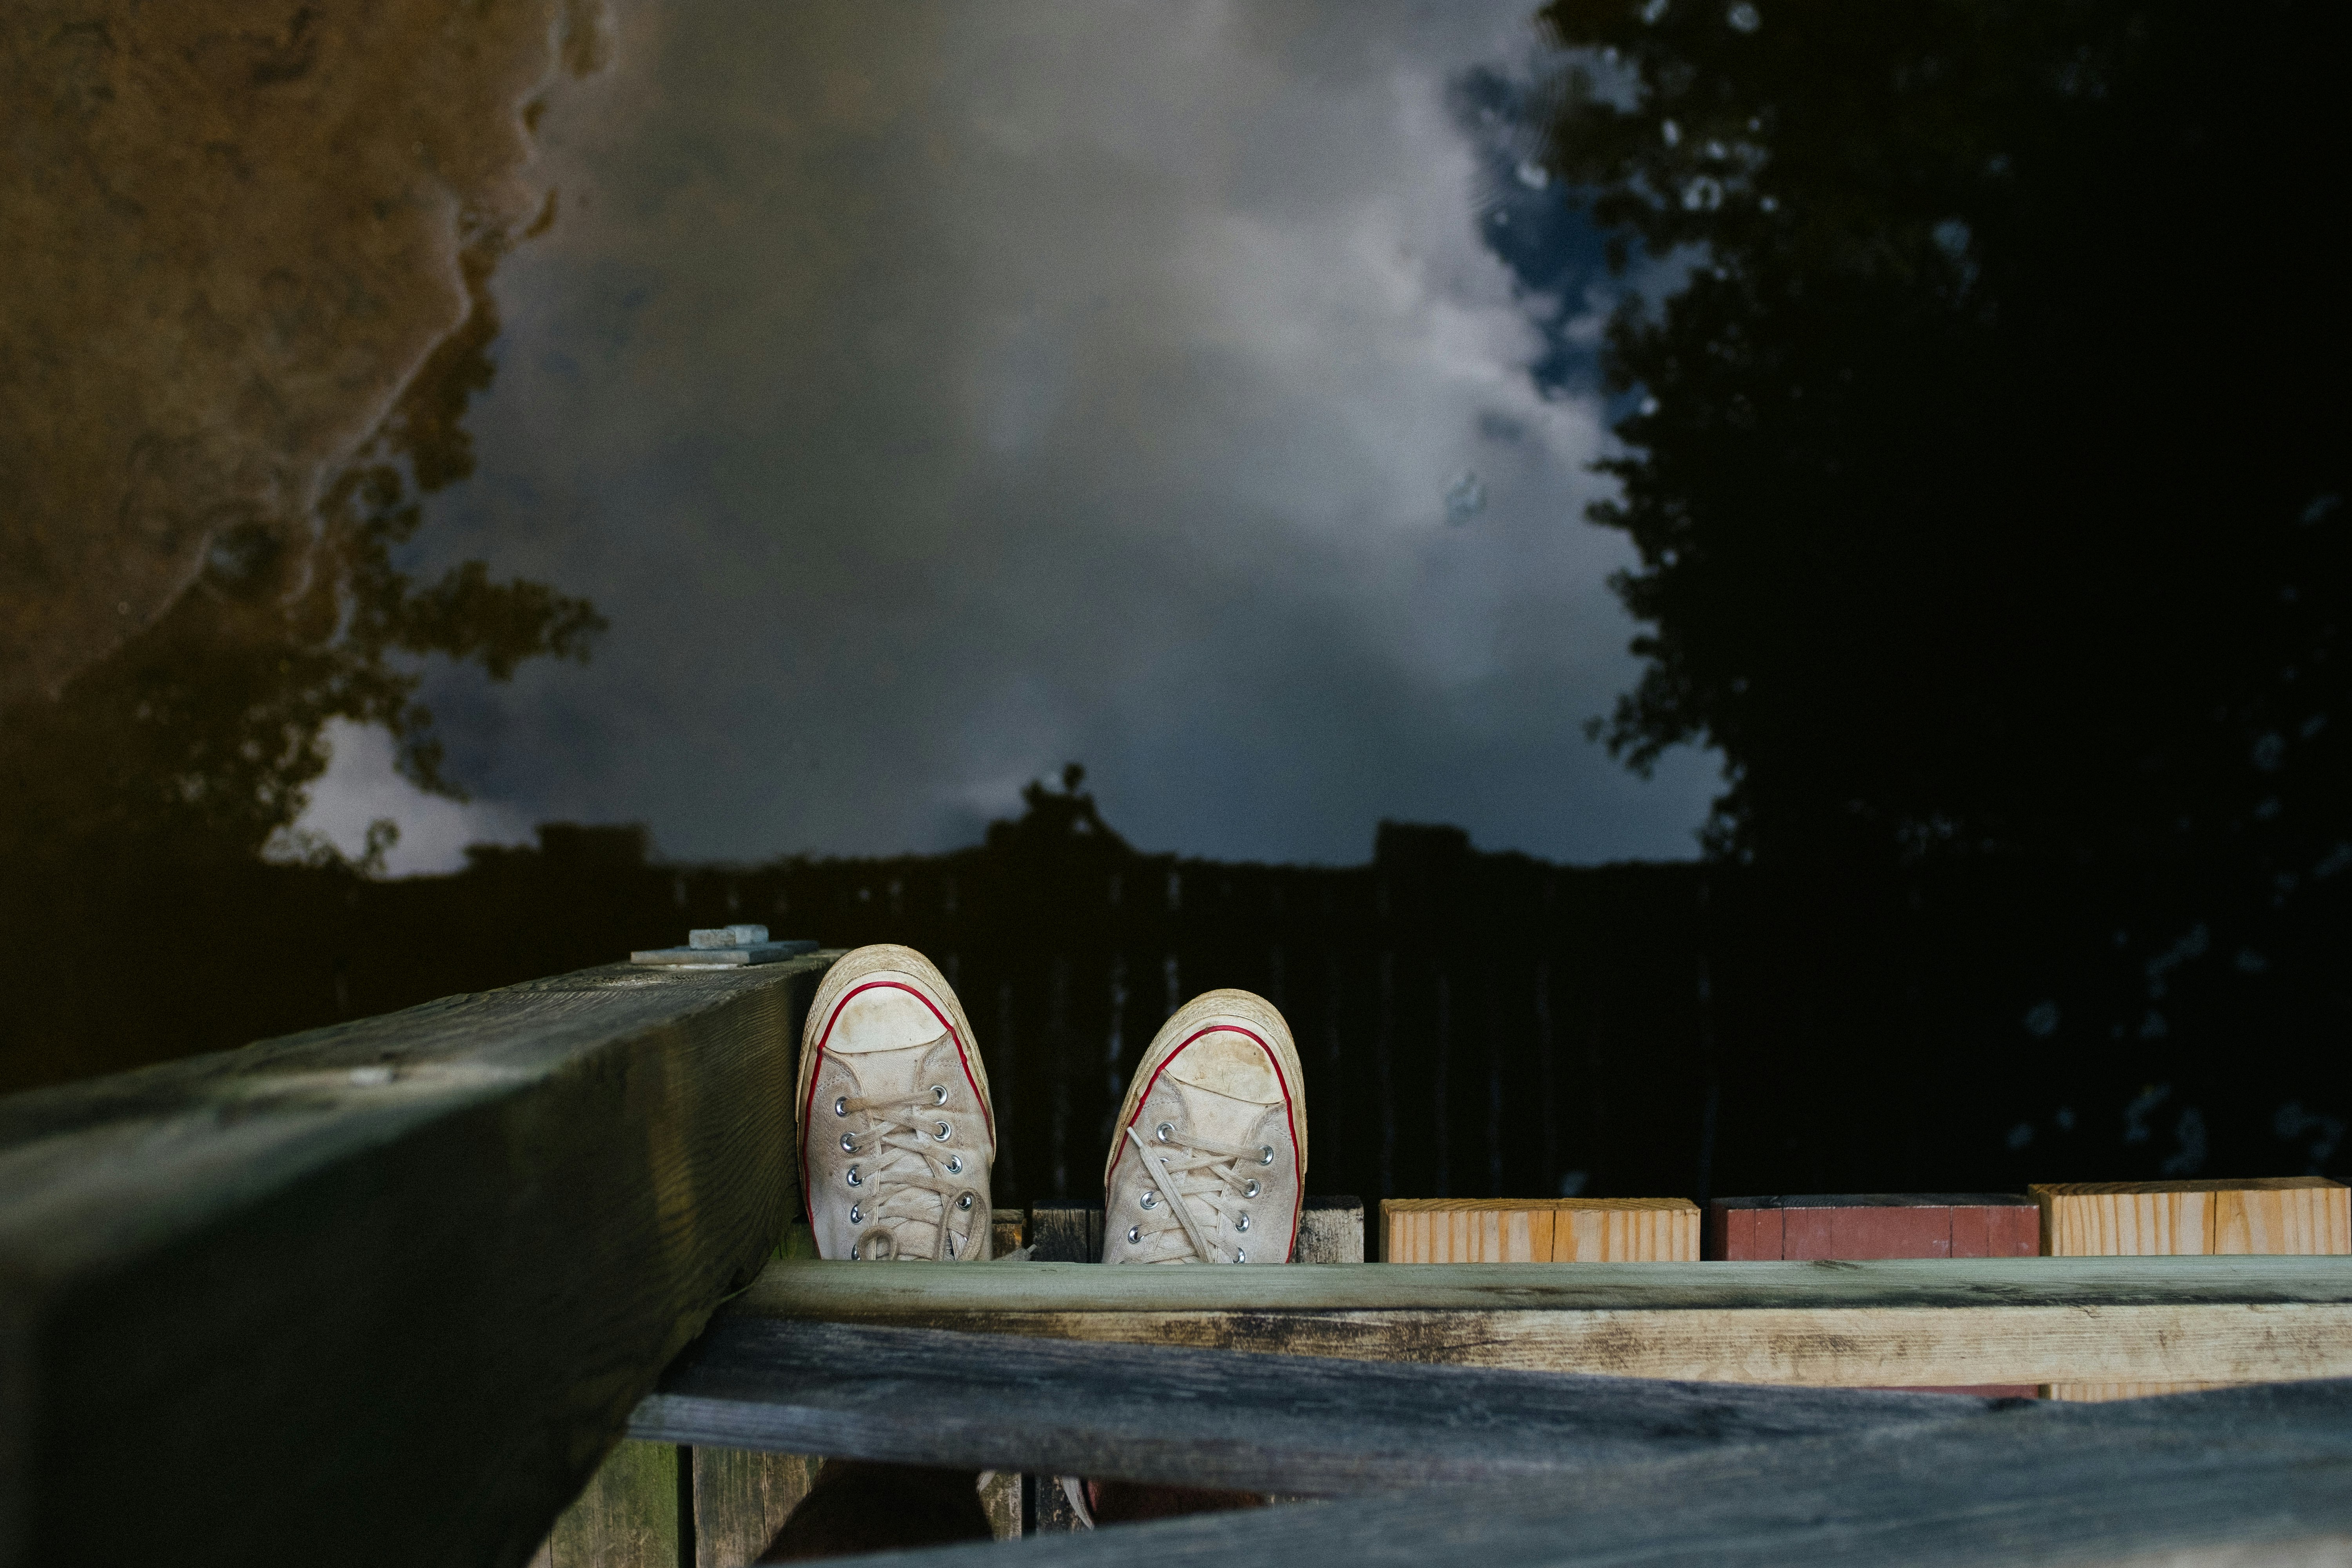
(383, 1292)
(1899, 1322)
(2210, 1481)
(1282, 1424)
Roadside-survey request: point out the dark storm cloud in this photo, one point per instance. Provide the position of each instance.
(927, 406)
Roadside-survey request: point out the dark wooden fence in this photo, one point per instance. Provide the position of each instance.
(1471, 1024)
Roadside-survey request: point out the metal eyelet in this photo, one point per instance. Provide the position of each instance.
(964, 1202)
(855, 1179)
(1250, 1188)
(841, 1105)
(1149, 1200)
(955, 1165)
(1239, 1256)
(856, 1215)
(853, 1255)
(1266, 1153)
(1135, 1233)
(849, 1144)
(939, 1094)
(1167, 1130)
(1242, 1224)
(941, 1130)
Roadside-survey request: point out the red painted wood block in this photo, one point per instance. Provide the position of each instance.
(1743, 1228)
(1874, 1225)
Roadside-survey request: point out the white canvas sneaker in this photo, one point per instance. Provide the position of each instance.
(896, 1132)
(1209, 1159)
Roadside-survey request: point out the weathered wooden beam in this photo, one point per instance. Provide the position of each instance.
(383, 1292)
(2201, 1480)
(1900, 1322)
(1275, 1423)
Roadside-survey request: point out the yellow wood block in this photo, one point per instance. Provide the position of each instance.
(2098, 1393)
(2272, 1215)
(2304, 1215)
(1539, 1230)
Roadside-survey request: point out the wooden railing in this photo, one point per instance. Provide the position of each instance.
(385, 1292)
(393, 1292)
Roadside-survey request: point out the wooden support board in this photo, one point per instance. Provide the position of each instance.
(1898, 1323)
(386, 1292)
(629, 1516)
(1874, 1225)
(1276, 1423)
(2227, 1480)
(1539, 1230)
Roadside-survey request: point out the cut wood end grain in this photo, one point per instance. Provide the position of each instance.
(2273, 1216)
(1539, 1230)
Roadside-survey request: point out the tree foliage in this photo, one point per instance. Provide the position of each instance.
(1987, 475)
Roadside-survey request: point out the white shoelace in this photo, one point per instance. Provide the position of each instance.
(1183, 1168)
(931, 1187)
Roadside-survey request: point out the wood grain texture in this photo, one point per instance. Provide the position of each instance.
(2274, 1216)
(741, 1500)
(2102, 1392)
(2147, 1220)
(2266, 1216)
(1330, 1230)
(627, 1516)
(1538, 1230)
(384, 1293)
(1902, 1323)
(2227, 1480)
(1066, 1232)
(1281, 1423)
(2308, 1215)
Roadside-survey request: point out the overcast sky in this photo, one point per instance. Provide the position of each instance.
(932, 396)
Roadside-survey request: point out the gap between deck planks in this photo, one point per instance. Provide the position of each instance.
(1895, 1323)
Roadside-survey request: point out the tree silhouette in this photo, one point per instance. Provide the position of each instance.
(1987, 475)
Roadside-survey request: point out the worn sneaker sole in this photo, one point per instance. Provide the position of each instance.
(1254, 1016)
(883, 964)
